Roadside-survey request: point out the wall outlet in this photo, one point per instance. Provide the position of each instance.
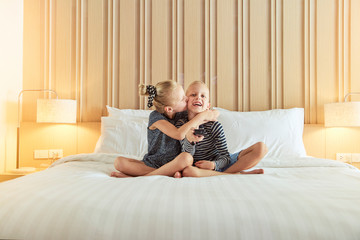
(41, 154)
(55, 153)
(343, 157)
(48, 154)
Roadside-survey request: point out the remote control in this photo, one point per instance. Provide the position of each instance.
(199, 132)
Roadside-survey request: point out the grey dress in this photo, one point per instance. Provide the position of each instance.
(161, 148)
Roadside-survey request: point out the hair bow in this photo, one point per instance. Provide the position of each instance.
(151, 90)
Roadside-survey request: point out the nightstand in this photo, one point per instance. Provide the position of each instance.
(9, 176)
(356, 164)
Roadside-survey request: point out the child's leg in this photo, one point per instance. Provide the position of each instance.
(192, 171)
(248, 158)
(199, 172)
(178, 164)
(128, 167)
(119, 175)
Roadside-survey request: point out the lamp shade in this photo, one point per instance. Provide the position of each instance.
(56, 111)
(344, 114)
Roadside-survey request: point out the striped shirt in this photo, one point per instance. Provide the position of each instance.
(212, 148)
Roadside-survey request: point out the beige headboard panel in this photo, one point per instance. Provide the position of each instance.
(253, 54)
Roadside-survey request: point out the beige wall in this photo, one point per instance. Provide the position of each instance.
(253, 54)
(11, 29)
(81, 138)
(71, 138)
(326, 142)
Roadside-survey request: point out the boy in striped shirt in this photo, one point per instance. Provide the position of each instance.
(210, 149)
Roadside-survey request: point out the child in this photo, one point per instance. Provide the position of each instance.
(211, 153)
(164, 155)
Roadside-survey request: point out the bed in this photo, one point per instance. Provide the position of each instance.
(298, 197)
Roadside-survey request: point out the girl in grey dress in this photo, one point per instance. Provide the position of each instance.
(164, 155)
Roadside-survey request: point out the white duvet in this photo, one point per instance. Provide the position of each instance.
(304, 198)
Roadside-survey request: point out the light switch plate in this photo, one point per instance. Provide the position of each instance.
(41, 154)
(343, 157)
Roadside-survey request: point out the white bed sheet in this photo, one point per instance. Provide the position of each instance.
(305, 198)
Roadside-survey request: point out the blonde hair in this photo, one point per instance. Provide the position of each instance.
(163, 96)
(194, 83)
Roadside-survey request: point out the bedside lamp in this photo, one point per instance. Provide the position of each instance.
(48, 111)
(56, 111)
(342, 114)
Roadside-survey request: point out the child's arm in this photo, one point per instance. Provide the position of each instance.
(188, 143)
(179, 133)
(223, 158)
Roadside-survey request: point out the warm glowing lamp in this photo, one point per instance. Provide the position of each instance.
(342, 114)
(48, 111)
(56, 111)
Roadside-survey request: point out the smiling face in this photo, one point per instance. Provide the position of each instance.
(198, 98)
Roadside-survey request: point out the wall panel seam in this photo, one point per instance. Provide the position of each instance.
(110, 53)
(105, 38)
(142, 50)
(246, 55)
(239, 55)
(348, 48)
(273, 53)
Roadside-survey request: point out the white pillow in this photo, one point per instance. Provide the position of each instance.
(124, 136)
(281, 130)
(125, 113)
(125, 131)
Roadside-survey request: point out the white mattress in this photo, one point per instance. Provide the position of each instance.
(303, 198)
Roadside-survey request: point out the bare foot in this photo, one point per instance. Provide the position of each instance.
(255, 171)
(177, 175)
(119, 175)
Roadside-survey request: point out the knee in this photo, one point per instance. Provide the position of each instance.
(190, 172)
(120, 163)
(261, 149)
(186, 159)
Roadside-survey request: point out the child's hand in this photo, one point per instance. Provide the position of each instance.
(191, 137)
(205, 164)
(210, 115)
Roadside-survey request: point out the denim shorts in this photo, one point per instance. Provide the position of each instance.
(233, 159)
